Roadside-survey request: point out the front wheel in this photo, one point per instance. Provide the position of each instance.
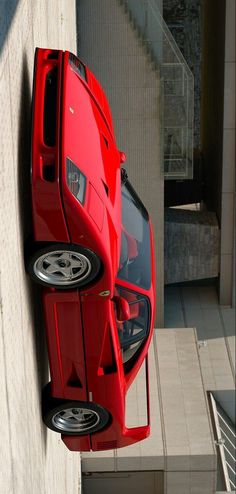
(63, 266)
(73, 418)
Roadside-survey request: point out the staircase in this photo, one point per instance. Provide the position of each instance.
(177, 85)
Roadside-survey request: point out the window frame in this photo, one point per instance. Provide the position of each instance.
(127, 366)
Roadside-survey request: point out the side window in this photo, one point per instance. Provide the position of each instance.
(135, 256)
(132, 332)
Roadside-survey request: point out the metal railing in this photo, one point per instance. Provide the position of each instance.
(178, 86)
(226, 441)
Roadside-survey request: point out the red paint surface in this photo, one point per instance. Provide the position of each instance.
(83, 344)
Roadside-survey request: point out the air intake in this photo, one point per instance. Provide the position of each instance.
(50, 104)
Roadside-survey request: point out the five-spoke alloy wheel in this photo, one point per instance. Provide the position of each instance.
(63, 266)
(76, 420)
(72, 417)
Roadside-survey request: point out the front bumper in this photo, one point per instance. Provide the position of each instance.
(70, 371)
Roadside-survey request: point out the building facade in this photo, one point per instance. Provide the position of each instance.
(129, 48)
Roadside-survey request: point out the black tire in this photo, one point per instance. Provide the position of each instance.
(82, 418)
(82, 264)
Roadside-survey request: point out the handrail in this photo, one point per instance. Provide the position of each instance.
(228, 427)
(220, 442)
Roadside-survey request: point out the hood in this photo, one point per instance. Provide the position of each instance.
(88, 139)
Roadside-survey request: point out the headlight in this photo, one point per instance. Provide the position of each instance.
(77, 66)
(76, 181)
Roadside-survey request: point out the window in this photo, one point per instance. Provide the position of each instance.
(77, 66)
(135, 257)
(134, 331)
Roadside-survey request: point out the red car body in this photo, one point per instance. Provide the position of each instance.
(84, 349)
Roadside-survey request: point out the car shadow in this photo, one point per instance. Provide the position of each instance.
(24, 203)
(7, 12)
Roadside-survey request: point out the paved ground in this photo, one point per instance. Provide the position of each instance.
(32, 459)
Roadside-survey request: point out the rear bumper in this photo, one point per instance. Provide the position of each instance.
(48, 216)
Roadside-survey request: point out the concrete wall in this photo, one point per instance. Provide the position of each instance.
(33, 460)
(192, 245)
(218, 130)
(227, 268)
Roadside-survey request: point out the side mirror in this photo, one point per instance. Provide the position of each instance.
(122, 157)
(122, 308)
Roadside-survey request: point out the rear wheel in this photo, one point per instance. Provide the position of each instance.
(63, 266)
(74, 418)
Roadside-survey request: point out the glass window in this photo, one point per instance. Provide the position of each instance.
(133, 331)
(135, 256)
(77, 66)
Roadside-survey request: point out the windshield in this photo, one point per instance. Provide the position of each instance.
(135, 257)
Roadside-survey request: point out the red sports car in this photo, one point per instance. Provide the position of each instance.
(93, 254)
